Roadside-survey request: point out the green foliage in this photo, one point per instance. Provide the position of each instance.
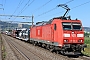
(87, 50)
(87, 40)
(86, 34)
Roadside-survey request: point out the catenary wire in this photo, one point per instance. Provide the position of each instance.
(3, 4)
(52, 9)
(22, 9)
(81, 4)
(26, 7)
(41, 6)
(73, 7)
(20, 3)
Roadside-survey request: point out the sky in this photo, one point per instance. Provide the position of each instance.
(44, 10)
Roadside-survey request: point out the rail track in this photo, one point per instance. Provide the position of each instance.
(44, 55)
(82, 58)
(34, 52)
(19, 54)
(26, 53)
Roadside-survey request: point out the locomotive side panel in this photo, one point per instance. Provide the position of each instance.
(33, 32)
(43, 33)
(58, 32)
(47, 33)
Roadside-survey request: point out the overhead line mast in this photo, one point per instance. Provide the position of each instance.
(21, 16)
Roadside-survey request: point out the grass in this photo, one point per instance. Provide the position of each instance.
(87, 50)
(3, 52)
(2, 48)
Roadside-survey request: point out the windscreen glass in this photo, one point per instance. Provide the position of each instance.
(76, 26)
(67, 26)
(71, 26)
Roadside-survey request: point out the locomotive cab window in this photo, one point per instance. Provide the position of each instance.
(66, 26)
(76, 26)
(55, 27)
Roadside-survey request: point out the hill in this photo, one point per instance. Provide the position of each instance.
(87, 29)
(6, 25)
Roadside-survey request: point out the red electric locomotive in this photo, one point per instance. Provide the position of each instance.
(60, 34)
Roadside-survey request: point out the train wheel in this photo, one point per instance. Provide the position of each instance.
(51, 48)
(28, 41)
(62, 52)
(35, 43)
(57, 52)
(44, 45)
(48, 47)
(31, 41)
(39, 44)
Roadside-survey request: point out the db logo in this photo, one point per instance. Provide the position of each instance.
(73, 35)
(38, 32)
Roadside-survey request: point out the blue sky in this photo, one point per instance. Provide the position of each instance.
(42, 10)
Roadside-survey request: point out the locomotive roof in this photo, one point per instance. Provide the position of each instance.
(50, 21)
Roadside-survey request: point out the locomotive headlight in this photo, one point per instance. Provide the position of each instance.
(80, 40)
(80, 35)
(66, 35)
(65, 40)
